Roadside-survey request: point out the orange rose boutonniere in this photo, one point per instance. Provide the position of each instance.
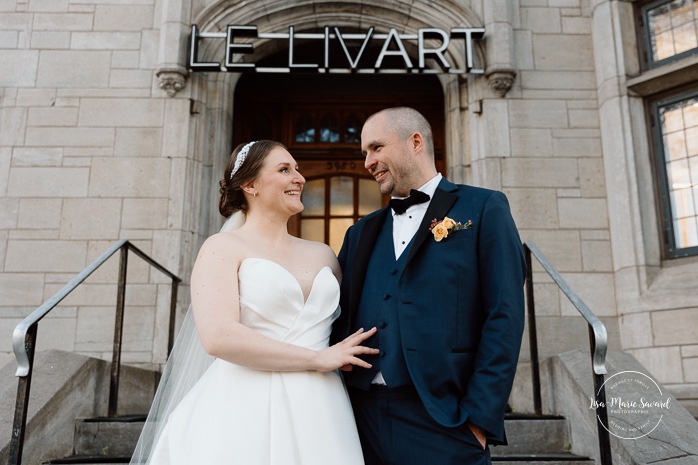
(442, 229)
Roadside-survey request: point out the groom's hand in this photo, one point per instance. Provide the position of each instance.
(479, 433)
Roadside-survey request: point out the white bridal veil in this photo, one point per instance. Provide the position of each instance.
(185, 365)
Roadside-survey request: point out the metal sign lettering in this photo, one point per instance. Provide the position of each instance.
(343, 52)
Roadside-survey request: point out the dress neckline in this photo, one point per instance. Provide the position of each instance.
(298, 283)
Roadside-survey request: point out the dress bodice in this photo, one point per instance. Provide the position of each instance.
(272, 303)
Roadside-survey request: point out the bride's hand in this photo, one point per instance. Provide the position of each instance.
(345, 354)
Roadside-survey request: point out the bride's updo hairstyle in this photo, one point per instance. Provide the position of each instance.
(252, 157)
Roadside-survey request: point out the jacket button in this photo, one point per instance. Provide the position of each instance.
(383, 325)
(393, 271)
(386, 296)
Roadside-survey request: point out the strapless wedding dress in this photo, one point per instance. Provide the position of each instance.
(238, 415)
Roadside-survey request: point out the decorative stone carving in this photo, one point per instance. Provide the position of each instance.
(501, 80)
(171, 80)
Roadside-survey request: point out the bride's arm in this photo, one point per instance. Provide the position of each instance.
(216, 309)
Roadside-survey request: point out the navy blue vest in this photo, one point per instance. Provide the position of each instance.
(378, 307)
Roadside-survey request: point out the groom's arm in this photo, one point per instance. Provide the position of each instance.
(502, 270)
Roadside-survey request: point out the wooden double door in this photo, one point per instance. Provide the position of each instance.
(319, 118)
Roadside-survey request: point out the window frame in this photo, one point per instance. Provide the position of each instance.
(671, 250)
(647, 61)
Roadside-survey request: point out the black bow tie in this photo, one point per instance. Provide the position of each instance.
(400, 206)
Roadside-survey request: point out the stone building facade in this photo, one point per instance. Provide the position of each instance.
(105, 134)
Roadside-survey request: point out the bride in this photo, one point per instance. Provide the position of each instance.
(251, 379)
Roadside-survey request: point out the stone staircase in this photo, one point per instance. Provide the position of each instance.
(532, 441)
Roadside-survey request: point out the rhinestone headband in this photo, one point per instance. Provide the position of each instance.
(240, 158)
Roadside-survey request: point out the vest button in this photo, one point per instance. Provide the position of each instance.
(383, 325)
(386, 296)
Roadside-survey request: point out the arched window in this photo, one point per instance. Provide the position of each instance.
(305, 129)
(329, 128)
(352, 129)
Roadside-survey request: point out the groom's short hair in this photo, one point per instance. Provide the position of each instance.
(405, 121)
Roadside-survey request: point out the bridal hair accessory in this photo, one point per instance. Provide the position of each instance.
(240, 158)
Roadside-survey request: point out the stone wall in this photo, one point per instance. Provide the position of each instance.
(87, 158)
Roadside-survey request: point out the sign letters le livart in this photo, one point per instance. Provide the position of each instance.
(334, 51)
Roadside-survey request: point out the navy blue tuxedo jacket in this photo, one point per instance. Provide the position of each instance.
(460, 304)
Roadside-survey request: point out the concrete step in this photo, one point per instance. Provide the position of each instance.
(530, 434)
(527, 434)
(530, 459)
(107, 436)
(564, 458)
(533, 440)
(88, 460)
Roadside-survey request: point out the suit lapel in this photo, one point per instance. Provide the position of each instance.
(364, 249)
(444, 198)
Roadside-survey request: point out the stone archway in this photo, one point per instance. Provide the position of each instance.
(209, 89)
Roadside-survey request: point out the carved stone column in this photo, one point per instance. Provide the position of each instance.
(171, 73)
(500, 70)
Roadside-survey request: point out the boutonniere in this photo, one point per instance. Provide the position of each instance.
(442, 229)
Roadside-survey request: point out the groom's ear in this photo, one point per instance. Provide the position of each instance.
(416, 142)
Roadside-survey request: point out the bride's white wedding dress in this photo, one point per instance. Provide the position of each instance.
(238, 415)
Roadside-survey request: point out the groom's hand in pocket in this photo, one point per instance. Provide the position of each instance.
(479, 433)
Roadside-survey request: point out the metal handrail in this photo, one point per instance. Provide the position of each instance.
(24, 336)
(598, 341)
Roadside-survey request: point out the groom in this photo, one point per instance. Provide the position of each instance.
(446, 297)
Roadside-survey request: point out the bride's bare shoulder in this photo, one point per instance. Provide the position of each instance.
(319, 251)
(314, 247)
(226, 244)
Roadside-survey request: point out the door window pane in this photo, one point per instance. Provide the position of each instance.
(313, 230)
(369, 196)
(338, 227)
(314, 198)
(341, 195)
(328, 223)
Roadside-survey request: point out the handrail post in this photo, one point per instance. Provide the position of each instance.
(24, 337)
(118, 333)
(19, 425)
(532, 334)
(173, 308)
(601, 412)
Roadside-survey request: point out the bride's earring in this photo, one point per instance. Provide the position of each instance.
(254, 196)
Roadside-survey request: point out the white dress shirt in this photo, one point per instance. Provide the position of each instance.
(405, 226)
